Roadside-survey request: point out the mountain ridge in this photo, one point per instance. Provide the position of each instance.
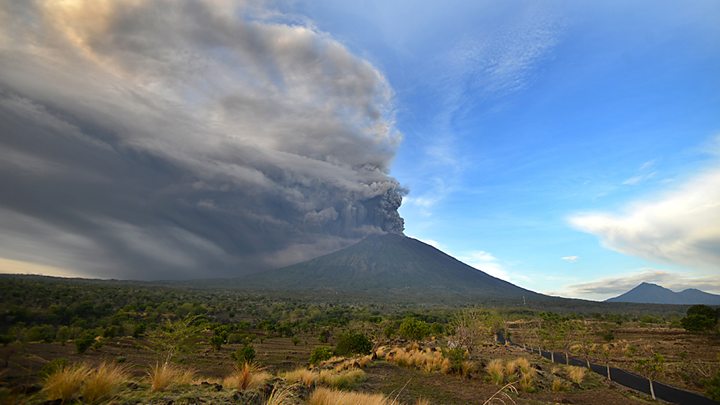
(385, 264)
(650, 293)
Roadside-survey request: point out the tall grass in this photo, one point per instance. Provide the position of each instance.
(164, 375)
(496, 371)
(342, 380)
(302, 376)
(249, 376)
(326, 396)
(64, 384)
(279, 396)
(104, 382)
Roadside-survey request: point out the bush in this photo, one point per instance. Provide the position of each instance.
(353, 343)
(414, 329)
(84, 342)
(246, 354)
(320, 354)
(44, 333)
(712, 387)
(456, 357)
(700, 318)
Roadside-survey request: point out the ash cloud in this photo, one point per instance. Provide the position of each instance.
(178, 139)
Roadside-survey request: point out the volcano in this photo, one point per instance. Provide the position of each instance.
(389, 264)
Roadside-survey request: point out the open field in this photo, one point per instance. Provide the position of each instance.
(440, 354)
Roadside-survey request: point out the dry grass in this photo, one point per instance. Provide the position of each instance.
(527, 380)
(166, 374)
(104, 382)
(343, 380)
(325, 396)
(279, 396)
(422, 401)
(496, 371)
(302, 376)
(558, 385)
(467, 367)
(576, 374)
(65, 384)
(425, 360)
(249, 376)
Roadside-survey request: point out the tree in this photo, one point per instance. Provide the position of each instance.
(473, 327)
(700, 318)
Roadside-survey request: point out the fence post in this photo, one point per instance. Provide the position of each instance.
(652, 390)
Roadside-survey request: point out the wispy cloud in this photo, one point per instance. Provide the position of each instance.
(681, 226)
(571, 259)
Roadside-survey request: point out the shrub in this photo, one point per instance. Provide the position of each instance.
(456, 357)
(320, 354)
(712, 387)
(52, 366)
(84, 342)
(246, 354)
(414, 329)
(44, 333)
(353, 343)
(103, 383)
(325, 396)
(65, 383)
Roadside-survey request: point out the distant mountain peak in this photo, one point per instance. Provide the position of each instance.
(650, 293)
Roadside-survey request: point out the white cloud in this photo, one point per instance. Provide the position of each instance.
(486, 262)
(607, 287)
(571, 259)
(681, 226)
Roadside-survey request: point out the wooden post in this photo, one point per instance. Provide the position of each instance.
(652, 390)
(608, 371)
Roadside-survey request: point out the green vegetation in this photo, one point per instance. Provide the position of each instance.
(320, 354)
(700, 318)
(350, 343)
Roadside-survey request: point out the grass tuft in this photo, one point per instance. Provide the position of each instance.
(302, 376)
(325, 396)
(166, 374)
(249, 376)
(104, 382)
(342, 380)
(558, 385)
(279, 396)
(576, 374)
(496, 371)
(64, 384)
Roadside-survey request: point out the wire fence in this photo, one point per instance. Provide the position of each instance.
(625, 378)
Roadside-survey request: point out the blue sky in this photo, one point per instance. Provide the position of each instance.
(519, 116)
(572, 148)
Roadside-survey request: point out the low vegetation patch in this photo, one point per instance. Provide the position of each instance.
(163, 375)
(65, 383)
(249, 376)
(325, 396)
(104, 382)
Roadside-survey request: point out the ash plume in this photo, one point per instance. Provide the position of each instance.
(178, 139)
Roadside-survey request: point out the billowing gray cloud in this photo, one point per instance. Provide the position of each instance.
(165, 139)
